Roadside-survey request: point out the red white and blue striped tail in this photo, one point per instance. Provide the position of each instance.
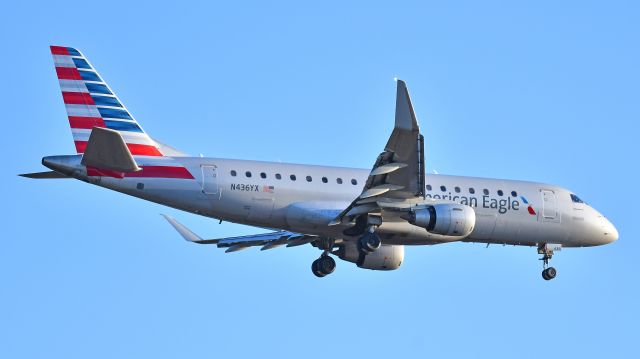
(90, 103)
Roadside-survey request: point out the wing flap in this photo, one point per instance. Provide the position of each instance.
(381, 189)
(299, 239)
(388, 168)
(236, 248)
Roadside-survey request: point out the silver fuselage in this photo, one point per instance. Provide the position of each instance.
(235, 191)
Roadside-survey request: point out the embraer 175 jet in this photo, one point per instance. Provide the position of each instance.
(363, 216)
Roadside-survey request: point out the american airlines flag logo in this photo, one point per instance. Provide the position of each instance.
(529, 207)
(267, 189)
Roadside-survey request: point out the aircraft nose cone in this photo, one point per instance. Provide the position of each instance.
(604, 231)
(611, 233)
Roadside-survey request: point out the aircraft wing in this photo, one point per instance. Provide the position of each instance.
(398, 173)
(233, 244)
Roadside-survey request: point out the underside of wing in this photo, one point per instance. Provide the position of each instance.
(233, 244)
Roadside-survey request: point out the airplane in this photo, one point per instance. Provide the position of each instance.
(362, 216)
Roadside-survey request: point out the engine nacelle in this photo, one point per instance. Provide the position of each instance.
(449, 219)
(387, 257)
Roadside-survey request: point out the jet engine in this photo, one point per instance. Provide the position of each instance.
(387, 257)
(449, 219)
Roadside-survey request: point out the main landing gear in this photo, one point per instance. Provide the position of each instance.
(369, 242)
(324, 265)
(548, 273)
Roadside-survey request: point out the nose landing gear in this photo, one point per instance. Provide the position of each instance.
(548, 273)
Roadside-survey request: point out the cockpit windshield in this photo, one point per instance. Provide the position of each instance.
(576, 199)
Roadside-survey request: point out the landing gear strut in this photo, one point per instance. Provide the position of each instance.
(548, 273)
(370, 241)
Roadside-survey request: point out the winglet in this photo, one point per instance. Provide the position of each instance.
(405, 116)
(186, 233)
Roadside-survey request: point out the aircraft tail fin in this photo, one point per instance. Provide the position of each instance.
(90, 103)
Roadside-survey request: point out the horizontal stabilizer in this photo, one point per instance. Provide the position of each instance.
(107, 149)
(44, 175)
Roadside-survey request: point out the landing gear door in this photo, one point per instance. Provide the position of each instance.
(210, 180)
(549, 206)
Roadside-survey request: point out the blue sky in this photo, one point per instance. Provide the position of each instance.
(539, 90)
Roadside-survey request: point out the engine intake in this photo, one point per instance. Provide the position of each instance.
(446, 219)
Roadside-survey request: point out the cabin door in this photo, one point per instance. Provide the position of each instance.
(549, 206)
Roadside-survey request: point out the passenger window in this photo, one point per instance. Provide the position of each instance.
(485, 191)
(248, 174)
(443, 188)
(263, 175)
(500, 193)
(324, 180)
(428, 187)
(309, 179)
(293, 177)
(278, 176)
(354, 182)
(233, 173)
(457, 189)
(471, 190)
(514, 194)
(339, 180)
